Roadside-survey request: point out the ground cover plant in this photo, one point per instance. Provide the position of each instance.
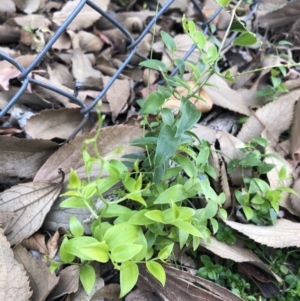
(171, 197)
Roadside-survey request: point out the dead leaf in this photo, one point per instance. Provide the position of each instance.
(282, 16)
(110, 291)
(85, 18)
(142, 295)
(32, 21)
(29, 6)
(283, 234)
(22, 158)
(117, 95)
(51, 124)
(70, 155)
(275, 118)
(295, 199)
(14, 283)
(8, 71)
(42, 281)
(53, 96)
(204, 132)
(184, 43)
(30, 202)
(225, 97)
(177, 283)
(36, 242)
(83, 70)
(295, 137)
(9, 34)
(67, 284)
(236, 254)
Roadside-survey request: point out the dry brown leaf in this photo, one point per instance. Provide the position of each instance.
(184, 43)
(42, 281)
(51, 124)
(236, 253)
(222, 20)
(70, 155)
(295, 199)
(30, 202)
(8, 71)
(177, 283)
(9, 34)
(295, 137)
(225, 97)
(14, 283)
(5, 218)
(110, 291)
(89, 42)
(275, 118)
(204, 132)
(22, 158)
(282, 16)
(283, 234)
(60, 74)
(67, 284)
(142, 295)
(36, 242)
(229, 147)
(33, 21)
(53, 96)
(86, 17)
(83, 70)
(31, 100)
(117, 95)
(29, 6)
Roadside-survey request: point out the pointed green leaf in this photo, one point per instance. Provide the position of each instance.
(129, 273)
(157, 271)
(87, 277)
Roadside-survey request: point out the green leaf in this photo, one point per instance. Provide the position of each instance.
(153, 103)
(140, 219)
(199, 39)
(155, 215)
(76, 227)
(165, 252)
(187, 227)
(238, 26)
(176, 193)
(64, 255)
(168, 41)
(223, 2)
(215, 225)
(248, 212)
(157, 271)
(171, 172)
(187, 165)
(245, 39)
(166, 145)
(73, 202)
(54, 265)
(257, 200)
(188, 118)
(97, 251)
(260, 141)
(265, 168)
(211, 209)
(129, 273)
(120, 234)
(87, 277)
(167, 116)
(155, 64)
(114, 210)
(74, 181)
(72, 246)
(282, 174)
(125, 252)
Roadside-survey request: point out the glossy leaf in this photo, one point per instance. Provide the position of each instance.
(157, 271)
(87, 277)
(129, 273)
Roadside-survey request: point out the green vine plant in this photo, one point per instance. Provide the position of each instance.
(150, 202)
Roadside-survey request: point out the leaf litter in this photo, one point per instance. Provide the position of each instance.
(89, 52)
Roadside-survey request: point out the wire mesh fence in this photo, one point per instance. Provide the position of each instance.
(25, 78)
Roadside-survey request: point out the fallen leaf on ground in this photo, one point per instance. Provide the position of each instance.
(42, 281)
(70, 155)
(14, 283)
(283, 234)
(30, 202)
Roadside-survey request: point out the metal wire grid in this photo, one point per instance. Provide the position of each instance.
(85, 110)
